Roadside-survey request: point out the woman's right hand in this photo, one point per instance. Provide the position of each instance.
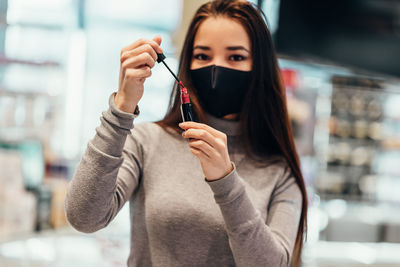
(137, 60)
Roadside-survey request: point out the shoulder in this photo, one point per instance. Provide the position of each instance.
(286, 183)
(279, 170)
(268, 172)
(274, 165)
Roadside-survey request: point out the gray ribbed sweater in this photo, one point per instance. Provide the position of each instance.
(248, 218)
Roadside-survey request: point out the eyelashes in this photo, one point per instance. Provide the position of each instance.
(201, 56)
(235, 57)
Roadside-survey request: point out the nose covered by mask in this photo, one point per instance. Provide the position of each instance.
(221, 90)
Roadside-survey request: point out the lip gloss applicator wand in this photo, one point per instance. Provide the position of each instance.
(186, 106)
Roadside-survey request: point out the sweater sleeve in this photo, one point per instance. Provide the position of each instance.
(107, 174)
(253, 241)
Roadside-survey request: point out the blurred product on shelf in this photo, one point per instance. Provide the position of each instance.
(374, 110)
(17, 206)
(57, 213)
(392, 143)
(50, 203)
(26, 114)
(31, 151)
(360, 129)
(301, 110)
(43, 197)
(57, 177)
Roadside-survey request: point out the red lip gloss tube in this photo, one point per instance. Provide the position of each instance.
(186, 106)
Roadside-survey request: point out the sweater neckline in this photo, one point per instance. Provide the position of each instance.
(229, 127)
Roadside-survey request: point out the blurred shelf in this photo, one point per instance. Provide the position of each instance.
(4, 60)
(26, 93)
(351, 254)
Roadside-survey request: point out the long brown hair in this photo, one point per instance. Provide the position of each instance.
(264, 121)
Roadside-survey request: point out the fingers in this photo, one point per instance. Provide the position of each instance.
(139, 61)
(199, 154)
(220, 136)
(143, 72)
(155, 44)
(143, 49)
(200, 134)
(203, 147)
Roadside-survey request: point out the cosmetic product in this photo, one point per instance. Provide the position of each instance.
(357, 105)
(186, 106)
(343, 128)
(374, 110)
(360, 129)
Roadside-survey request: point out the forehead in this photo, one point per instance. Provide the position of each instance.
(221, 31)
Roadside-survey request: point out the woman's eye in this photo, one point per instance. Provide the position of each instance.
(237, 58)
(201, 57)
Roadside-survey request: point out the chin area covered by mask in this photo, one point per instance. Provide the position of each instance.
(221, 90)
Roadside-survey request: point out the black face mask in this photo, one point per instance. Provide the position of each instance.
(221, 90)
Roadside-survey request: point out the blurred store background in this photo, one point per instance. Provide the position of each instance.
(59, 62)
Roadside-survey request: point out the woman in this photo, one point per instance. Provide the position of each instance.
(229, 191)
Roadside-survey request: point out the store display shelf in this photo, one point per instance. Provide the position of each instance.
(360, 199)
(37, 63)
(29, 93)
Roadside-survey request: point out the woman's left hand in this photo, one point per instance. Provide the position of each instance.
(210, 147)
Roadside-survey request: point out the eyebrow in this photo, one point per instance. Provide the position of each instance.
(230, 48)
(201, 47)
(233, 48)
